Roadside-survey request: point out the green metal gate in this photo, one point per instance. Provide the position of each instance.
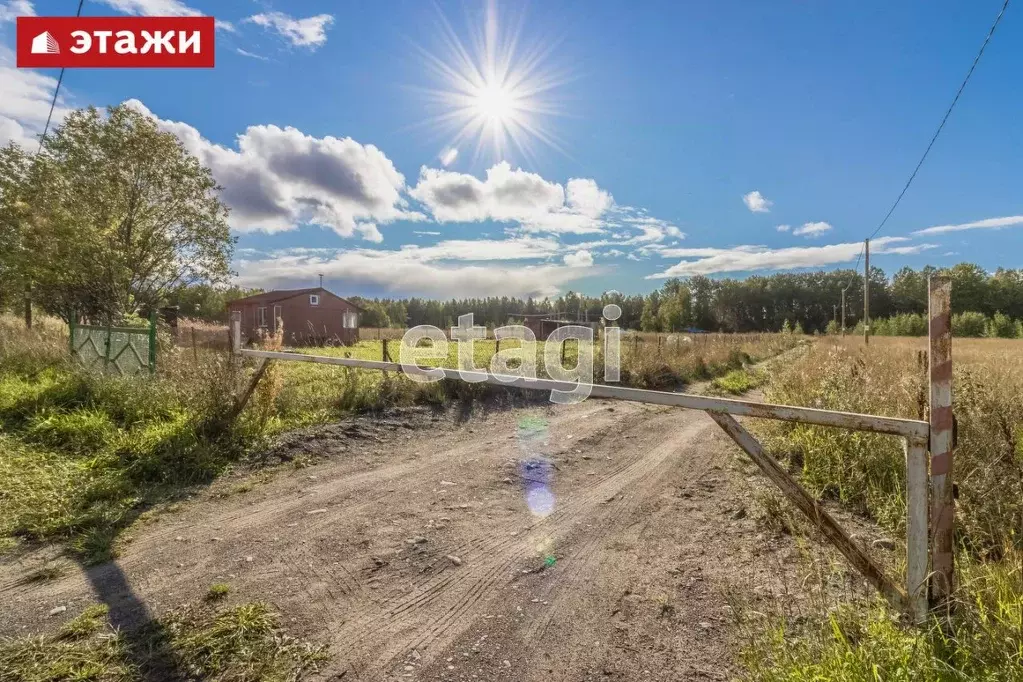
(115, 350)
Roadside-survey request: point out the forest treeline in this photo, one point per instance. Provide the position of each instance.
(810, 300)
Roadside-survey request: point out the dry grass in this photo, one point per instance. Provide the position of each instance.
(862, 639)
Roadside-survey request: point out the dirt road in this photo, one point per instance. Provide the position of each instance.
(592, 542)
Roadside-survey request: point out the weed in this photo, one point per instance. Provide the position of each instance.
(980, 636)
(217, 592)
(86, 623)
(739, 381)
(242, 644)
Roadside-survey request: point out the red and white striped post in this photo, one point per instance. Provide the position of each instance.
(942, 502)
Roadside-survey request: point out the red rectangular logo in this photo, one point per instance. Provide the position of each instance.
(104, 42)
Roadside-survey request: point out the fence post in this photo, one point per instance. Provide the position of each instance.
(916, 528)
(386, 354)
(28, 305)
(236, 331)
(106, 350)
(942, 503)
(71, 333)
(152, 342)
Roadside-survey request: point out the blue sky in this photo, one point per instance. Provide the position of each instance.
(673, 138)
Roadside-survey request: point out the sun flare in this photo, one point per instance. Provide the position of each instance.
(494, 94)
(495, 103)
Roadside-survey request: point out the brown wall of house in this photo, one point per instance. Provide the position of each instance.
(304, 323)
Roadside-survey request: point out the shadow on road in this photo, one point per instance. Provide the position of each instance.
(148, 645)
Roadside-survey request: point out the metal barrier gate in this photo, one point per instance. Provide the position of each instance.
(929, 568)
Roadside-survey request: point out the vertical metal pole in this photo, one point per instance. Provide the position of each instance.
(152, 342)
(942, 503)
(866, 292)
(106, 350)
(916, 528)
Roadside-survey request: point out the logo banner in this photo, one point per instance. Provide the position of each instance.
(116, 42)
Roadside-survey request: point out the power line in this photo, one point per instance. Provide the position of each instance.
(934, 138)
(944, 119)
(56, 91)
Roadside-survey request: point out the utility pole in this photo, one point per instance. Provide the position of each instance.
(866, 292)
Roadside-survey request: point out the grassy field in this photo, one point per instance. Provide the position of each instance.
(85, 455)
(858, 640)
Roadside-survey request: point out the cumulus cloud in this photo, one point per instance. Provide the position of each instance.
(278, 178)
(309, 32)
(986, 224)
(579, 259)
(402, 275)
(26, 102)
(757, 202)
(812, 229)
(513, 195)
(783, 228)
(12, 9)
(747, 258)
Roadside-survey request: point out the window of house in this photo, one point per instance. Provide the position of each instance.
(261, 318)
(349, 319)
(314, 299)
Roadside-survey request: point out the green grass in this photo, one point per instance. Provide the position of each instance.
(241, 644)
(218, 592)
(86, 455)
(739, 381)
(867, 642)
(980, 637)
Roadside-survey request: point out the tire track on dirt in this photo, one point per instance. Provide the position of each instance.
(460, 593)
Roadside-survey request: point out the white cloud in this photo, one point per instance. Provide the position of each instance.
(429, 233)
(278, 178)
(986, 224)
(161, 8)
(750, 258)
(12, 9)
(584, 196)
(400, 274)
(25, 102)
(447, 156)
(309, 32)
(651, 230)
(519, 248)
(757, 202)
(783, 228)
(252, 55)
(513, 195)
(579, 259)
(812, 229)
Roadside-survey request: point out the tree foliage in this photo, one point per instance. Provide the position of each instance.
(110, 217)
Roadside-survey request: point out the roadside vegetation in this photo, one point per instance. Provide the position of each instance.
(244, 643)
(86, 455)
(981, 635)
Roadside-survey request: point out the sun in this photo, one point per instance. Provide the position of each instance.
(495, 103)
(494, 94)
